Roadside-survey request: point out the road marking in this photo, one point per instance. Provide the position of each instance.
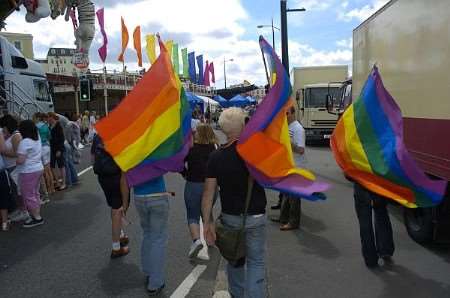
(187, 284)
(84, 171)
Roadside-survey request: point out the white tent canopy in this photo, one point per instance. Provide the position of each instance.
(209, 102)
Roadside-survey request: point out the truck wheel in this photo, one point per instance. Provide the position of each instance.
(419, 224)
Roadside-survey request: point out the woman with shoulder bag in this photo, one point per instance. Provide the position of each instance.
(246, 276)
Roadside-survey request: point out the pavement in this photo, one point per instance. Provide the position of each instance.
(69, 255)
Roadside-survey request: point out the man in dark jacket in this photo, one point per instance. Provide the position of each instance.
(379, 243)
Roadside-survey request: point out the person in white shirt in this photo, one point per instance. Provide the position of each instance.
(30, 168)
(291, 205)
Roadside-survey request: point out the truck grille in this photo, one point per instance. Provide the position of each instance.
(324, 123)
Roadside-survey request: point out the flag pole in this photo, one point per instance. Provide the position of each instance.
(124, 69)
(105, 90)
(265, 67)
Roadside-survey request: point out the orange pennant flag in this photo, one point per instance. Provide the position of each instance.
(125, 38)
(137, 44)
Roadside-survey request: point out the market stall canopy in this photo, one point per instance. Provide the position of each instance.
(195, 100)
(222, 101)
(239, 101)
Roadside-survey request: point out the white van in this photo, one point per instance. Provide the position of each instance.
(23, 84)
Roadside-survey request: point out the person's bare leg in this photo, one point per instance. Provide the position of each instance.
(116, 219)
(63, 177)
(56, 173)
(49, 179)
(195, 231)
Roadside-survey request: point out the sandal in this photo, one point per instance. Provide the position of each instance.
(288, 227)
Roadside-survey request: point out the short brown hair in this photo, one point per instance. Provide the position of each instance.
(53, 115)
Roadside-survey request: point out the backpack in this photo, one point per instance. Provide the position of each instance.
(104, 164)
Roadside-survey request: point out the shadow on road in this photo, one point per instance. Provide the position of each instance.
(63, 221)
(316, 245)
(402, 282)
(311, 224)
(119, 277)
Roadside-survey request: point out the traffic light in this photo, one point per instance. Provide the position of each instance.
(85, 90)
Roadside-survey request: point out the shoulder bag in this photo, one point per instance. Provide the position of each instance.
(231, 241)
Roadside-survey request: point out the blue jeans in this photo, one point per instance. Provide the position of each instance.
(71, 173)
(154, 215)
(249, 280)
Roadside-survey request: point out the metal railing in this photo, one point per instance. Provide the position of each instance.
(15, 101)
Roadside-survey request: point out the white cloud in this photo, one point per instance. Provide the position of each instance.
(213, 30)
(312, 4)
(217, 34)
(304, 55)
(364, 12)
(345, 43)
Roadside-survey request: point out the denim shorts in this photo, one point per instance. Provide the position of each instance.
(193, 192)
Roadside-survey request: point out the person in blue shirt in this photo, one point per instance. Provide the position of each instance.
(152, 204)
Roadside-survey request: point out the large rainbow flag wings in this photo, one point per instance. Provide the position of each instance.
(368, 145)
(148, 134)
(265, 144)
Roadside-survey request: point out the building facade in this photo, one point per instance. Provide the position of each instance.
(22, 42)
(258, 94)
(59, 61)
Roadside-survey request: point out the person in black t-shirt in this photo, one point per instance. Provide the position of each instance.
(227, 170)
(205, 142)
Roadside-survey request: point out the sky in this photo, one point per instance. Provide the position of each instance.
(218, 29)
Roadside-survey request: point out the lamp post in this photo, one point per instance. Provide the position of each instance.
(273, 32)
(225, 71)
(284, 32)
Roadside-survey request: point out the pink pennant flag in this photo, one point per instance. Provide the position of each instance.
(206, 75)
(103, 50)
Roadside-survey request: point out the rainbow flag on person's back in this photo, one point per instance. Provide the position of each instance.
(265, 144)
(149, 133)
(368, 145)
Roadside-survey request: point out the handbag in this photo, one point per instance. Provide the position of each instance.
(231, 241)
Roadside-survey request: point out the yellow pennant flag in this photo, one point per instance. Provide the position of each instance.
(169, 46)
(151, 53)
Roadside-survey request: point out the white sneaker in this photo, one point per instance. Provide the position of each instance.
(195, 248)
(23, 215)
(45, 200)
(14, 214)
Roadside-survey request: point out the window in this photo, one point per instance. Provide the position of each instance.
(63, 52)
(41, 91)
(65, 62)
(18, 45)
(317, 97)
(53, 51)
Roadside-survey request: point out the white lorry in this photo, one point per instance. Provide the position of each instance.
(409, 40)
(311, 86)
(23, 84)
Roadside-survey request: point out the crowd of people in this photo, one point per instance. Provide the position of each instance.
(37, 159)
(212, 169)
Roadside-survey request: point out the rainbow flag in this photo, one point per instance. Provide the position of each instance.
(149, 133)
(368, 145)
(272, 164)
